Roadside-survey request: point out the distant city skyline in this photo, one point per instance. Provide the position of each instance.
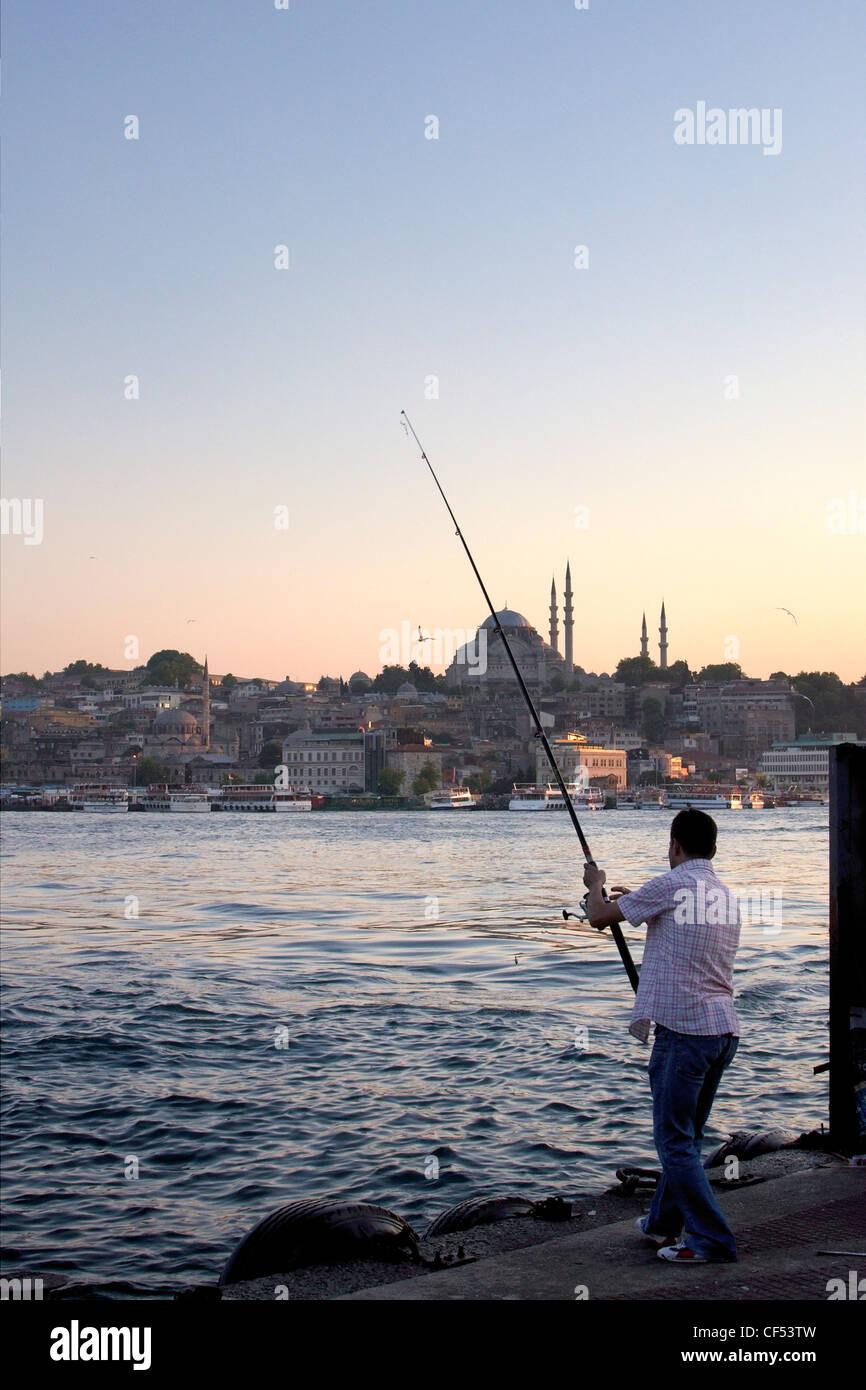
(344, 670)
(620, 348)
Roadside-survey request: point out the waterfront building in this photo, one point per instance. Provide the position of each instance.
(579, 760)
(335, 762)
(410, 758)
(803, 762)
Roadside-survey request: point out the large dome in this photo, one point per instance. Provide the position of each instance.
(171, 719)
(507, 618)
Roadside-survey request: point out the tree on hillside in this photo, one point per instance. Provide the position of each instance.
(390, 678)
(271, 755)
(86, 670)
(422, 677)
(636, 670)
(390, 781)
(427, 779)
(228, 683)
(146, 770)
(829, 705)
(720, 671)
(479, 782)
(23, 678)
(677, 673)
(169, 667)
(652, 721)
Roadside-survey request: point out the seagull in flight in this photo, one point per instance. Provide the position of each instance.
(789, 613)
(421, 637)
(191, 620)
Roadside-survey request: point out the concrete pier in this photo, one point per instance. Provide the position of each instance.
(783, 1227)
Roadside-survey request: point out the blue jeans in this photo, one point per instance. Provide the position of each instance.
(684, 1071)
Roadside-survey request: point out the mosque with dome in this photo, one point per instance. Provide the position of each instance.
(483, 663)
(177, 737)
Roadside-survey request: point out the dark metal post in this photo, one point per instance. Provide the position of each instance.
(848, 947)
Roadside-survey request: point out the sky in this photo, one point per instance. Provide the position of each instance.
(211, 426)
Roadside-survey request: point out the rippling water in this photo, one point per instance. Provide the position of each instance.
(154, 1038)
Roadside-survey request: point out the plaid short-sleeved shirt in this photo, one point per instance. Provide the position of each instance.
(693, 931)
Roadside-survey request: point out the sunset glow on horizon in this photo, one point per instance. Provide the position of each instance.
(641, 357)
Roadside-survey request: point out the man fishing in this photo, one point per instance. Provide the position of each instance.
(686, 989)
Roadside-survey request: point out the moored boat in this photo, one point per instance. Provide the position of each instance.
(681, 798)
(548, 797)
(151, 798)
(246, 797)
(451, 799)
(189, 799)
(98, 796)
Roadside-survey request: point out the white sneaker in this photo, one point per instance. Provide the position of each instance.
(650, 1235)
(683, 1254)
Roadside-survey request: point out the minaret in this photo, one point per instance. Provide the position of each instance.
(644, 641)
(205, 707)
(663, 641)
(569, 625)
(554, 625)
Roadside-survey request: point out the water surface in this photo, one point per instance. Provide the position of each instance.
(312, 1005)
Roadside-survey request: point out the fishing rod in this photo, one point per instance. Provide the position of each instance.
(615, 929)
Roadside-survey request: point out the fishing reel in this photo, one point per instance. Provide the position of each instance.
(581, 915)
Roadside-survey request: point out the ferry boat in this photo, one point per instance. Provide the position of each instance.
(681, 798)
(736, 801)
(151, 798)
(451, 799)
(246, 797)
(160, 797)
(640, 797)
(527, 797)
(98, 796)
(756, 801)
(189, 799)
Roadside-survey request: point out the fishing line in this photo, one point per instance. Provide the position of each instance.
(615, 929)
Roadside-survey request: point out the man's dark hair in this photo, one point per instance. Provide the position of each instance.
(696, 832)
